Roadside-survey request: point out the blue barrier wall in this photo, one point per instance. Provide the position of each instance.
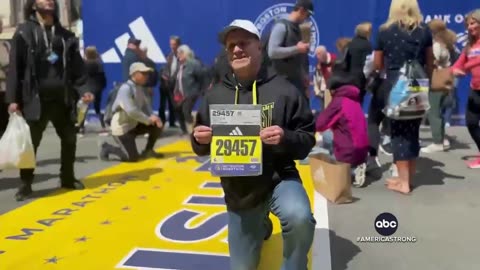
(109, 23)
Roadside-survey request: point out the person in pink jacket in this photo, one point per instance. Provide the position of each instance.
(469, 62)
(345, 118)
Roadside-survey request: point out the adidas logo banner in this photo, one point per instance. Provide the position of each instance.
(141, 31)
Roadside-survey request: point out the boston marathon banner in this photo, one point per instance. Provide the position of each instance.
(108, 24)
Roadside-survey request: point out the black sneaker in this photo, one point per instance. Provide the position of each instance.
(374, 168)
(103, 153)
(151, 154)
(386, 149)
(373, 164)
(269, 227)
(75, 184)
(24, 191)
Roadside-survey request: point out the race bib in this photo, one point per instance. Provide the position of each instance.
(236, 148)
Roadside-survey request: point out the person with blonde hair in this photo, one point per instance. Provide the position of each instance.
(469, 62)
(405, 13)
(402, 38)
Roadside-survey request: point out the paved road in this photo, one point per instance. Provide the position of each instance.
(48, 166)
(442, 212)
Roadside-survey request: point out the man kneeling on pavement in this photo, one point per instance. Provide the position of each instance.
(287, 135)
(133, 116)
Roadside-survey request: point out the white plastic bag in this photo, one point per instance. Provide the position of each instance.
(16, 147)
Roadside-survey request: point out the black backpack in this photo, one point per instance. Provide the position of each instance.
(265, 39)
(343, 74)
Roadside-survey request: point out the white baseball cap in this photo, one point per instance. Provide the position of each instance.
(139, 67)
(239, 24)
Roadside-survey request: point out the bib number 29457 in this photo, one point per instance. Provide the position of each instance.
(236, 148)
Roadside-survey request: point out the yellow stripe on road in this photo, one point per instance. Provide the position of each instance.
(157, 214)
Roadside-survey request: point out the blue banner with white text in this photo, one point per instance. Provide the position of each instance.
(108, 24)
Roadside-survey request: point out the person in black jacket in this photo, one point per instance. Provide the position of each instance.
(152, 78)
(97, 81)
(220, 67)
(168, 76)
(132, 55)
(359, 48)
(287, 135)
(46, 79)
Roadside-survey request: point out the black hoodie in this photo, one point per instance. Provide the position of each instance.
(290, 111)
(28, 73)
